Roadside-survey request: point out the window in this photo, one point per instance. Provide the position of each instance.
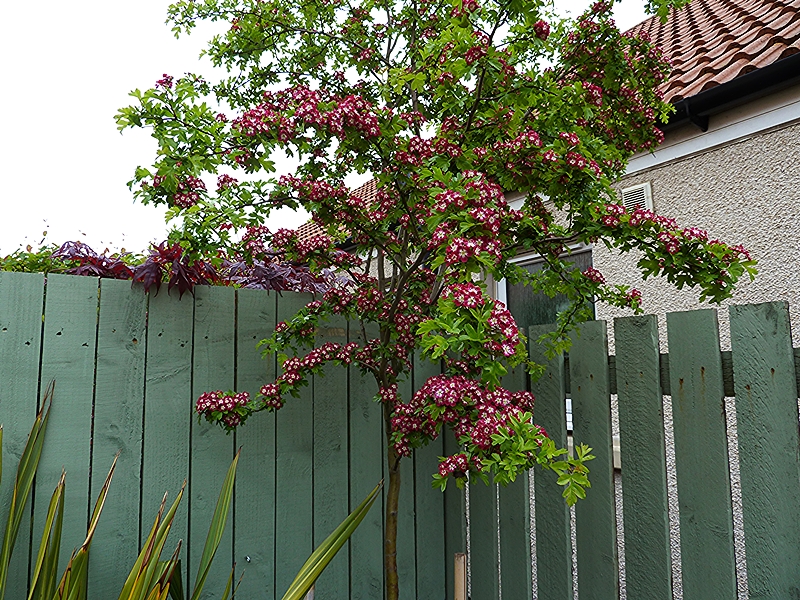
(529, 308)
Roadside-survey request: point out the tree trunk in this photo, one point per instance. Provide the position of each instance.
(390, 537)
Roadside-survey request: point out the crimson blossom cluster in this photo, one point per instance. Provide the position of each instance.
(474, 413)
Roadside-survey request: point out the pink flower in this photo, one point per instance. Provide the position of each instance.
(541, 29)
(593, 274)
(165, 81)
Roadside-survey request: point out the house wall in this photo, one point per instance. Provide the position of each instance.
(746, 191)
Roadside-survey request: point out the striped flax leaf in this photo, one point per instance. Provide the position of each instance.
(216, 528)
(43, 582)
(74, 581)
(26, 470)
(323, 555)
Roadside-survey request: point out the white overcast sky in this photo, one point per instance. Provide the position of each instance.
(66, 68)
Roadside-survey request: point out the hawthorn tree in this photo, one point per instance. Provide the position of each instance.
(447, 104)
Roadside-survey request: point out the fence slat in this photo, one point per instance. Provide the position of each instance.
(595, 516)
(766, 413)
(212, 450)
(68, 356)
(455, 509)
(330, 461)
(648, 571)
(254, 508)
(704, 491)
(406, 551)
(168, 413)
(484, 559)
(119, 391)
(21, 303)
(515, 522)
(366, 470)
(429, 508)
(294, 478)
(553, 532)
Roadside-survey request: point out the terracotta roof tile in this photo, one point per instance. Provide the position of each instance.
(711, 42)
(368, 191)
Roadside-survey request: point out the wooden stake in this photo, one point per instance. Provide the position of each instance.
(460, 576)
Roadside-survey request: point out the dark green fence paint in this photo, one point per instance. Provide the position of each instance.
(648, 571)
(515, 521)
(455, 526)
(406, 551)
(429, 504)
(21, 298)
(766, 413)
(330, 461)
(68, 356)
(484, 558)
(704, 491)
(595, 517)
(254, 500)
(553, 532)
(168, 414)
(294, 477)
(366, 470)
(211, 451)
(119, 390)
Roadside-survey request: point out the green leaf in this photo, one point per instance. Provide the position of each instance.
(323, 555)
(26, 470)
(43, 581)
(217, 527)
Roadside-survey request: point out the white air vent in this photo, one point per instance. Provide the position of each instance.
(637, 196)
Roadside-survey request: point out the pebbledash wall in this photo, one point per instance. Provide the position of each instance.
(744, 191)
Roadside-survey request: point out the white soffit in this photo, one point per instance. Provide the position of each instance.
(763, 114)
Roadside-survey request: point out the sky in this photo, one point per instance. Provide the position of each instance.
(66, 69)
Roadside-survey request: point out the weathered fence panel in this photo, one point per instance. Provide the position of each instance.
(21, 302)
(644, 473)
(167, 413)
(129, 367)
(553, 540)
(708, 566)
(117, 427)
(68, 357)
(766, 413)
(429, 506)
(515, 521)
(254, 506)
(762, 371)
(596, 517)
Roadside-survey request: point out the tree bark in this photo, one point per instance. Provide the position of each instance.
(390, 536)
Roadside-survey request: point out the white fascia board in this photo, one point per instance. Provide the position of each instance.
(775, 110)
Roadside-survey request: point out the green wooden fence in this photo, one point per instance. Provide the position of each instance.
(697, 376)
(128, 367)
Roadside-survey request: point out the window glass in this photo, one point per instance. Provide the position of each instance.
(539, 309)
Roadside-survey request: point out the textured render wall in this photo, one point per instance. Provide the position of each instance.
(747, 192)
